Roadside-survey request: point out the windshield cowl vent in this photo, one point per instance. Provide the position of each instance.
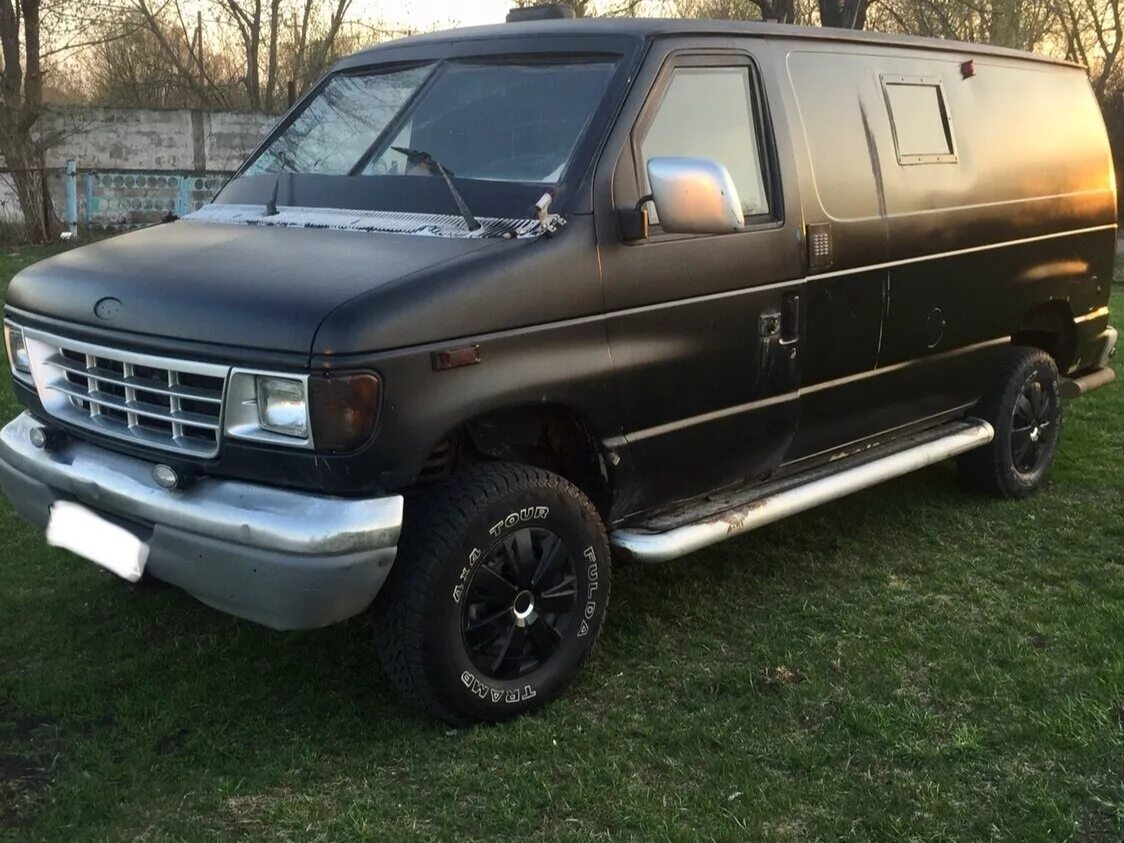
(547, 11)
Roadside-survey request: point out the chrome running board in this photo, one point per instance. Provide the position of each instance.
(648, 545)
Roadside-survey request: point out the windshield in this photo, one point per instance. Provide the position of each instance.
(339, 124)
(513, 122)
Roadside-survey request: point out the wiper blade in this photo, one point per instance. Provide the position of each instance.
(428, 160)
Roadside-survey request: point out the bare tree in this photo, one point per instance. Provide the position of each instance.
(1093, 34)
(582, 8)
(156, 60)
(258, 24)
(848, 14)
(602, 8)
(1021, 24)
(187, 66)
(275, 24)
(21, 91)
(320, 52)
(781, 11)
(250, 51)
(247, 17)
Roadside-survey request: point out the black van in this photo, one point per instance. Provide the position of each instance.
(490, 303)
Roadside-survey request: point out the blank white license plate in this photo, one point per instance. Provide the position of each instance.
(80, 531)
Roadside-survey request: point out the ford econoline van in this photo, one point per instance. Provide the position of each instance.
(494, 307)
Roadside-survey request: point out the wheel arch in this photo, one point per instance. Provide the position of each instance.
(553, 436)
(1050, 327)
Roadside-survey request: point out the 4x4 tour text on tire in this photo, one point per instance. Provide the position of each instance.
(498, 594)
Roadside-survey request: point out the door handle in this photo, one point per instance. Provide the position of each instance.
(790, 319)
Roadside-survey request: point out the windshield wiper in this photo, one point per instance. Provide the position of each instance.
(428, 160)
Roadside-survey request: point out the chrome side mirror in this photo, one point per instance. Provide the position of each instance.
(694, 196)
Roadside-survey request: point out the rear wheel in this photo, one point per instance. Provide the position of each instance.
(1025, 409)
(498, 594)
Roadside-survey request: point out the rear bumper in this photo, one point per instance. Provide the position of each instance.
(1086, 383)
(1100, 374)
(283, 558)
(1108, 346)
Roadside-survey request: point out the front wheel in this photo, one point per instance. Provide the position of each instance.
(1025, 408)
(498, 594)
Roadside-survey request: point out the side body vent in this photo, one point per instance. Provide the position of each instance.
(819, 245)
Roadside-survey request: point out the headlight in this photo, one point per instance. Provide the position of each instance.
(17, 349)
(329, 412)
(268, 407)
(282, 405)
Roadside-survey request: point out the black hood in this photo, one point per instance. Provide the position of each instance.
(251, 286)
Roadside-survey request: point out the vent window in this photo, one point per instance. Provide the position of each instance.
(920, 120)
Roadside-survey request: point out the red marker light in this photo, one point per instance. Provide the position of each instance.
(967, 69)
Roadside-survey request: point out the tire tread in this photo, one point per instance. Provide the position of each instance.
(984, 469)
(438, 519)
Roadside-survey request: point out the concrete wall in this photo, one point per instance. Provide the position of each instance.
(190, 143)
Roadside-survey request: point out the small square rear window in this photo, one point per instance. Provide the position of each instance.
(919, 116)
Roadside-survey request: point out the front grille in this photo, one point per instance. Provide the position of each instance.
(174, 405)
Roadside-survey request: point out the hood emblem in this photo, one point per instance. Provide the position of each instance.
(107, 308)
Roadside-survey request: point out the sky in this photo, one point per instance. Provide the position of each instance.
(431, 14)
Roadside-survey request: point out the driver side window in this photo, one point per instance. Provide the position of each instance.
(707, 112)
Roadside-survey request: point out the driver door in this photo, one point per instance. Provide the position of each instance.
(704, 330)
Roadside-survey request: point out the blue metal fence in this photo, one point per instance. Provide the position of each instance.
(131, 198)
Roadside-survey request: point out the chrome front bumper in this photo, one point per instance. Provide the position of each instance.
(284, 558)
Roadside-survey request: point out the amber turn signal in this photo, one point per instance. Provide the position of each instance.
(344, 409)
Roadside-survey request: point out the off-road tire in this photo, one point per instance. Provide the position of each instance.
(422, 615)
(997, 468)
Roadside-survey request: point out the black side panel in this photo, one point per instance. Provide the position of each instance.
(564, 365)
(533, 309)
(841, 340)
(844, 320)
(837, 156)
(839, 413)
(961, 300)
(954, 250)
(704, 401)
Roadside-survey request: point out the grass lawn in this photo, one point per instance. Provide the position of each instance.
(909, 663)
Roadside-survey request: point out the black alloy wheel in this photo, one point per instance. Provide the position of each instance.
(519, 603)
(1031, 419)
(498, 594)
(1024, 408)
